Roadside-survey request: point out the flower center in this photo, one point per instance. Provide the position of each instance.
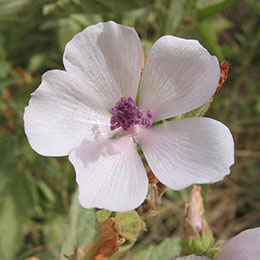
(127, 114)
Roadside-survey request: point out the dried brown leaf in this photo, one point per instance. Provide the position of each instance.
(153, 198)
(105, 247)
(108, 243)
(153, 180)
(224, 68)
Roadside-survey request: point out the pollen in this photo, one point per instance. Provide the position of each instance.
(126, 114)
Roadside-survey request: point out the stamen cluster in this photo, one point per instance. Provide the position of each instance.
(127, 114)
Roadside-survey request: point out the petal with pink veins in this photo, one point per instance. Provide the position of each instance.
(62, 114)
(109, 56)
(110, 174)
(179, 75)
(188, 151)
(244, 246)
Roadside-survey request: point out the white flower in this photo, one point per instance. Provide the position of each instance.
(70, 114)
(244, 246)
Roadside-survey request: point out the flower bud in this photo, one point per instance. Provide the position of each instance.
(198, 236)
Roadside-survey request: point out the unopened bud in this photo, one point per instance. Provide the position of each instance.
(198, 236)
(194, 212)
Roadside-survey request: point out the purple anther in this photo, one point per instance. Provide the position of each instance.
(149, 113)
(127, 114)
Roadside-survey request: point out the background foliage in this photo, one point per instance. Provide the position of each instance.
(39, 213)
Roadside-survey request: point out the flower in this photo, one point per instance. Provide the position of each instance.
(244, 246)
(89, 112)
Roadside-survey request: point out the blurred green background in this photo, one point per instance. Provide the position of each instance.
(39, 212)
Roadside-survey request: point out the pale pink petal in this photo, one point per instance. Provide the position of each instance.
(192, 257)
(244, 246)
(179, 76)
(62, 114)
(109, 56)
(110, 174)
(188, 151)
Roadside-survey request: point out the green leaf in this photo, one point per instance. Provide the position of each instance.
(173, 19)
(5, 69)
(121, 6)
(169, 249)
(103, 215)
(129, 224)
(9, 8)
(46, 191)
(36, 62)
(208, 8)
(67, 28)
(212, 253)
(13, 227)
(220, 24)
(90, 7)
(53, 231)
(80, 228)
(21, 187)
(54, 228)
(210, 39)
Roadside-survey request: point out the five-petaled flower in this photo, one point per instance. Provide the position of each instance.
(244, 246)
(89, 112)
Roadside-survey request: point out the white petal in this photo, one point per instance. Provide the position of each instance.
(188, 151)
(179, 76)
(192, 257)
(109, 56)
(62, 114)
(244, 246)
(110, 175)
